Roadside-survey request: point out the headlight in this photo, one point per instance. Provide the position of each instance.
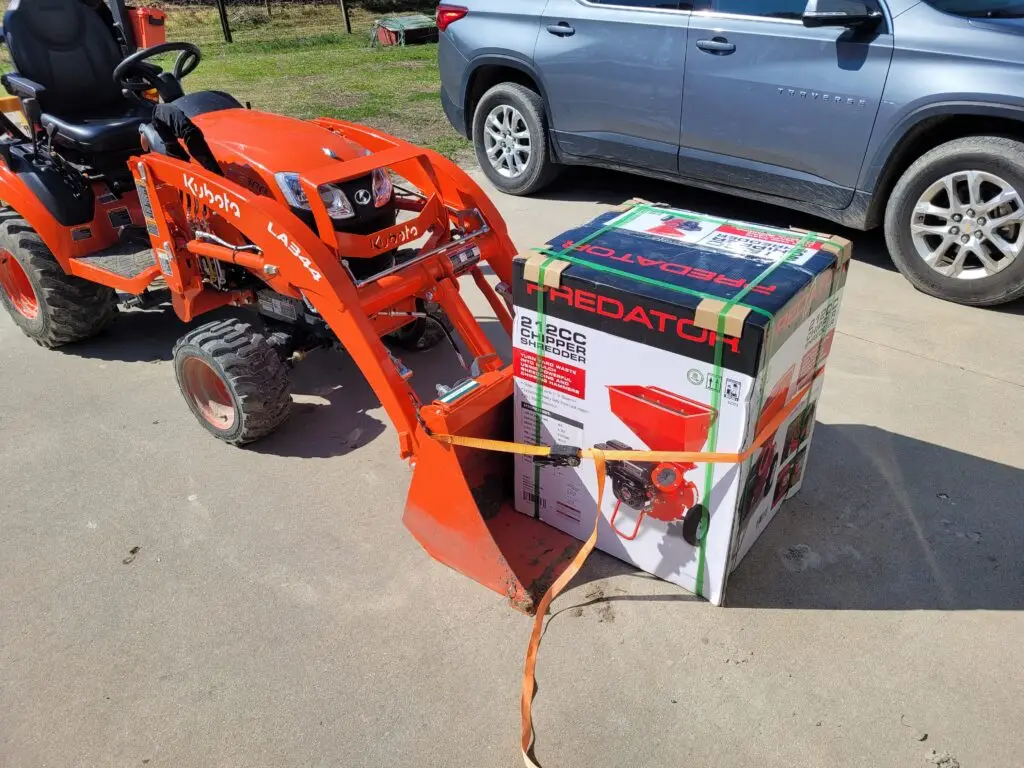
(382, 188)
(336, 202)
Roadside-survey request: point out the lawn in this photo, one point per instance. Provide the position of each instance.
(298, 60)
(301, 62)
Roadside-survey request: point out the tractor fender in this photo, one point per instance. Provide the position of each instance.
(17, 195)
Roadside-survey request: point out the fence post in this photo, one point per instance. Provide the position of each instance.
(348, 22)
(225, 27)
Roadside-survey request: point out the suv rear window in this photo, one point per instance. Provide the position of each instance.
(981, 9)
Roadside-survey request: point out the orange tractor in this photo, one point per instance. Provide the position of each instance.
(125, 190)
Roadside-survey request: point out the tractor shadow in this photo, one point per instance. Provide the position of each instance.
(887, 522)
(336, 412)
(332, 413)
(141, 336)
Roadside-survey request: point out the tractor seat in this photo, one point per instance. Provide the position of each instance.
(109, 129)
(65, 56)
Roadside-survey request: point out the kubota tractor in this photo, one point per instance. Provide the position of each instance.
(123, 186)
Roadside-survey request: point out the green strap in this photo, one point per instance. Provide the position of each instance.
(541, 323)
(642, 278)
(617, 222)
(709, 469)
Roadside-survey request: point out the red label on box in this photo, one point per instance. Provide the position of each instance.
(557, 375)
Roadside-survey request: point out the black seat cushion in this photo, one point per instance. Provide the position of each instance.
(65, 47)
(111, 129)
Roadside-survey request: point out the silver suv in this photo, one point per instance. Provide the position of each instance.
(902, 113)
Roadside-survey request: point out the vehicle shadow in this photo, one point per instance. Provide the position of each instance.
(887, 522)
(586, 184)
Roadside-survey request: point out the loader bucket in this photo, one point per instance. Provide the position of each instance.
(460, 500)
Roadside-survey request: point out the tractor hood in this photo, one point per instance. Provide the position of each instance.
(252, 146)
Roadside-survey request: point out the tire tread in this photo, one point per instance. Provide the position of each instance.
(532, 104)
(252, 370)
(74, 309)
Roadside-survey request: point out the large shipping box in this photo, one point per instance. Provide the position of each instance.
(665, 330)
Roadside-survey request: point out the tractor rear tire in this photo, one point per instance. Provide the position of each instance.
(234, 380)
(50, 306)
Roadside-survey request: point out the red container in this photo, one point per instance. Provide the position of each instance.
(386, 37)
(664, 420)
(149, 26)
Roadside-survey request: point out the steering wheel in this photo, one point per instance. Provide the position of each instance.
(135, 75)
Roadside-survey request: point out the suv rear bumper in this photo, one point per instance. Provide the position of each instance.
(456, 115)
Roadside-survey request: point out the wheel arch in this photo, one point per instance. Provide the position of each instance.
(923, 130)
(15, 194)
(489, 70)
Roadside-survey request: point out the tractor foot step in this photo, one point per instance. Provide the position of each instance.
(128, 258)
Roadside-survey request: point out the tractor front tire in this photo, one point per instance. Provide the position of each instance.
(234, 381)
(50, 306)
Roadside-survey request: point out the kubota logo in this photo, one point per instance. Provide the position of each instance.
(207, 195)
(396, 237)
(295, 251)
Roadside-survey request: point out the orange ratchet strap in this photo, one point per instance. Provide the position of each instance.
(600, 457)
(504, 446)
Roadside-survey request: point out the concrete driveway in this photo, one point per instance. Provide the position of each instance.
(276, 613)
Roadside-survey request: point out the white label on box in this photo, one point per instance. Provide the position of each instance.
(747, 242)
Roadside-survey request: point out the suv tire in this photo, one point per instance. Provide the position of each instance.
(921, 220)
(517, 138)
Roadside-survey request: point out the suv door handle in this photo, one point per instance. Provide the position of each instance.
(561, 29)
(716, 45)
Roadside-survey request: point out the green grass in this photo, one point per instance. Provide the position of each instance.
(301, 62)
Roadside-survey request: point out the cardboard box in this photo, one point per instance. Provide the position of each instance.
(659, 329)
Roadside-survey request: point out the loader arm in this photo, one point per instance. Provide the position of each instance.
(458, 505)
(292, 260)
